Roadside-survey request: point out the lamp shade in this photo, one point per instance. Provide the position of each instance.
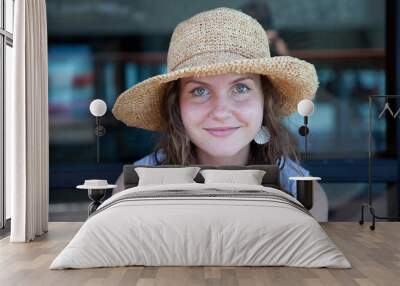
(98, 107)
(305, 107)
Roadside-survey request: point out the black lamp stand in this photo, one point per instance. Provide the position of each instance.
(304, 131)
(99, 131)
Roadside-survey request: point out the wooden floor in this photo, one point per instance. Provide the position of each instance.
(374, 255)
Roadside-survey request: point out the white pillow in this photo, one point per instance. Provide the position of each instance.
(162, 176)
(249, 177)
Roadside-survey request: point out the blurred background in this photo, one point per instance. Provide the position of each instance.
(99, 48)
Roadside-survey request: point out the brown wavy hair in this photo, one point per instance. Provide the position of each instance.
(179, 150)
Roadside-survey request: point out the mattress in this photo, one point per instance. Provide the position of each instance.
(201, 225)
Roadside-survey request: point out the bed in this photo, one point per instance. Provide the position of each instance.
(201, 223)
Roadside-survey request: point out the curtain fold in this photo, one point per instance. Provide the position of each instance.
(27, 141)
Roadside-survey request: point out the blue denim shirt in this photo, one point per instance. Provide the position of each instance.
(288, 168)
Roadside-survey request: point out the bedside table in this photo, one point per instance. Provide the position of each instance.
(97, 190)
(304, 187)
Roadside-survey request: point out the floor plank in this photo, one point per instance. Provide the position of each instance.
(374, 255)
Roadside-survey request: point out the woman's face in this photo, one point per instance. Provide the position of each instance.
(221, 114)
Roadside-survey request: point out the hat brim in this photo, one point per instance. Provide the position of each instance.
(294, 80)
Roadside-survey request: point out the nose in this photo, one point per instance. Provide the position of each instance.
(221, 109)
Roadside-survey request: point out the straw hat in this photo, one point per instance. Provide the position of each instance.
(213, 42)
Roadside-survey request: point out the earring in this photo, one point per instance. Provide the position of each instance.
(262, 136)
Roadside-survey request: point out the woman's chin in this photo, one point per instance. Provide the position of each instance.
(222, 152)
(221, 147)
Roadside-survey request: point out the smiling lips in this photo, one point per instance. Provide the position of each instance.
(221, 132)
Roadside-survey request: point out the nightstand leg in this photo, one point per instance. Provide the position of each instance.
(305, 193)
(96, 195)
(93, 207)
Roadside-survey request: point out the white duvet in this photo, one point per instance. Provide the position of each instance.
(183, 231)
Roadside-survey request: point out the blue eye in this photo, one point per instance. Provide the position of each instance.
(242, 88)
(199, 91)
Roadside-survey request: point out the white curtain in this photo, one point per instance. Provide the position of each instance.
(27, 164)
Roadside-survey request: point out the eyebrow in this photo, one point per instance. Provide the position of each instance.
(201, 82)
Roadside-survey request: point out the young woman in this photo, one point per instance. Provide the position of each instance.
(222, 100)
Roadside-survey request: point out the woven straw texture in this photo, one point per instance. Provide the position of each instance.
(214, 42)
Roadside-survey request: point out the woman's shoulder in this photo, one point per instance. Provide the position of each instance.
(151, 159)
(290, 167)
(287, 166)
